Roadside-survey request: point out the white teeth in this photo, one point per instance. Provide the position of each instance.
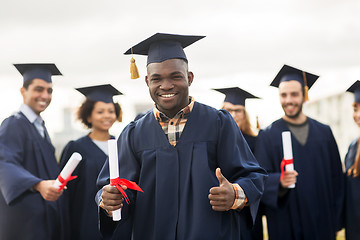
(168, 95)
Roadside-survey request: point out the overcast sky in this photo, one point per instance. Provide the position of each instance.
(246, 43)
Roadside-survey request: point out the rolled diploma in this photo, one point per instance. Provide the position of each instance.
(288, 154)
(114, 170)
(69, 168)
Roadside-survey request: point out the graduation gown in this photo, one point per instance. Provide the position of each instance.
(82, 190)
(25, 159)
(312, 209)
(250, 140)
(176, 180)
(254, 231)
(352, 197)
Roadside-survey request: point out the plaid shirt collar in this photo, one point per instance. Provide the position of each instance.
(182, 114)
(173, 127)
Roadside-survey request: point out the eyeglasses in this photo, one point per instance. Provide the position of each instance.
(235, 111)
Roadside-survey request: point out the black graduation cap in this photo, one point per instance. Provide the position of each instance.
(288, 73)
(355, 88)
(42, 71)
(235, 95)
(100, 93)
(163, 46)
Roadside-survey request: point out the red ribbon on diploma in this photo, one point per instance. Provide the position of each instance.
(283, 164)
(64, 181)
(117, 182)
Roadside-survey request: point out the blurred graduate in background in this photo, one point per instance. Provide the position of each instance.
(234, 103)
(352, 171)
(30, 206)
(312, 209)
(98, 113)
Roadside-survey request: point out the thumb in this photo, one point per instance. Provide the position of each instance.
(219, 175)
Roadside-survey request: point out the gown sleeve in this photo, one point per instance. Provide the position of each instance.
(14, 178)
(264, 154)
(238, 163)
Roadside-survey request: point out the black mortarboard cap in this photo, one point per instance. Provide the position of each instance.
(42, 71)
(355, 88)
(235, 95)
(162, 46)
(100, 93)
(288, 73)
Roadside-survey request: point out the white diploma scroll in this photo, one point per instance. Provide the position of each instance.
(114, 170)
(69, 168)
(288, 153)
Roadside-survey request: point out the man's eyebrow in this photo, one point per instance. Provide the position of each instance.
(155, 75)
(177, 72)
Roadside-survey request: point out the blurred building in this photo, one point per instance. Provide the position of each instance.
(336, 111)
(69, 132)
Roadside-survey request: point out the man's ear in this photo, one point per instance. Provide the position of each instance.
(190, 78)
(22, 91)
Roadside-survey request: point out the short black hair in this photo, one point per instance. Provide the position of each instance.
(27, 83)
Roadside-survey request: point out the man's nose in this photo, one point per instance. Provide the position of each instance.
(166, 84)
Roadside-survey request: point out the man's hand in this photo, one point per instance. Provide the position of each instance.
(288, 178)
(47, 190)
(222, 197)
(111, 198)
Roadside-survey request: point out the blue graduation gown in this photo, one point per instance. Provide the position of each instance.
(25, 159)
(352, 197)
(82, 190)
(312, 209)
(250, 140)
(176, 180)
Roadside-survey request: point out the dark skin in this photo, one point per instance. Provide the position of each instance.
(168, 83)
(221, 197)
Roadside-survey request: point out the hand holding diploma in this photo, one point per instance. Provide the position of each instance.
(119, 184)
(65, 175)
(288, 177)
(47, 190)
(111, 199)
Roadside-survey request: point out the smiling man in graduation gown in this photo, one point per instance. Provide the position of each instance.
(191, 160)
(30, 207)
(312, 209)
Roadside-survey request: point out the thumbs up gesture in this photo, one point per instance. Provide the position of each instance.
(222, 197)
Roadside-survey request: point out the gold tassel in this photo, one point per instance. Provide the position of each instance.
(257, 123)
(306, 88)
(133, 69)
(306, 94)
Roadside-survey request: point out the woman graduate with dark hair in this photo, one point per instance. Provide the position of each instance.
(352, 166)
(98, 113)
